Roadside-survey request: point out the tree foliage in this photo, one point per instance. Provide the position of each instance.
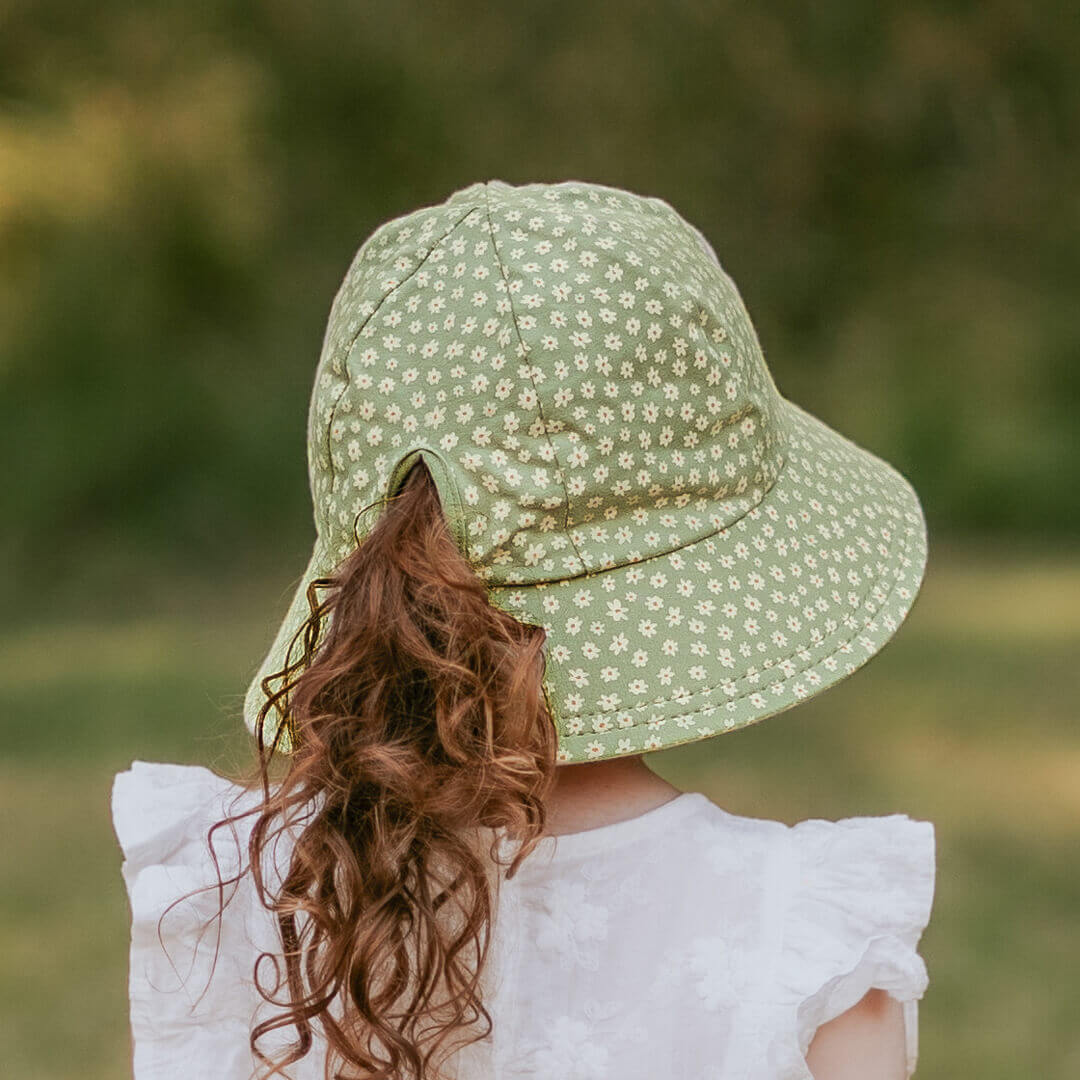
(892, 185)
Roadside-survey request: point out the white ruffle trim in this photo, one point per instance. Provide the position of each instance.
(185, 1023)
(860, 898)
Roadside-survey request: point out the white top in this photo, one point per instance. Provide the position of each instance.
(685, 942)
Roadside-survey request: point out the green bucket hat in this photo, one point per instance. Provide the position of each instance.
(583, 380)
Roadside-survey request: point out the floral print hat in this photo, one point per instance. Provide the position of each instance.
(583, 380)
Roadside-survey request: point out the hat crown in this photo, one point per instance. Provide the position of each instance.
(572, 362)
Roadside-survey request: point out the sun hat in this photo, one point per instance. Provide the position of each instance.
(582, 378)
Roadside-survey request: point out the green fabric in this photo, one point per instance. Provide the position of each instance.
(584, 381)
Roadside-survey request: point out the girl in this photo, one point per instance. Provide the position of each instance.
(564, 519)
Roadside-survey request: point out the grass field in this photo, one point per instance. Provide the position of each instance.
(968, 719)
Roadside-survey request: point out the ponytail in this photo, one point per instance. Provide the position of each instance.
(418, 721)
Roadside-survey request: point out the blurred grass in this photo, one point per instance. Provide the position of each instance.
(967, 719)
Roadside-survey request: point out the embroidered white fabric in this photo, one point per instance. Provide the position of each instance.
(687, 942)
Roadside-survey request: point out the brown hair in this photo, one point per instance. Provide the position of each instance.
(418, 718)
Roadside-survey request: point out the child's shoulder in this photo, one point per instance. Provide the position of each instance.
(859, 864)
(843, 902)
(822, 839)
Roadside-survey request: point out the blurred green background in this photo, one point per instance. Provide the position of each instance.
(892, 185)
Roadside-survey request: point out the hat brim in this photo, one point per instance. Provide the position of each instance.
(839, 544)
(836, 552)
(284, 648)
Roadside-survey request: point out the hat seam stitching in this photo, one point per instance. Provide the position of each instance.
(729, 701)
(353, 340)
(447, 491)
(532, 380)
(764, 671)
(905, 551)
(746, 410)
(600, 570)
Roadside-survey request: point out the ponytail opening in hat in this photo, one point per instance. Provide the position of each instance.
(418, 721)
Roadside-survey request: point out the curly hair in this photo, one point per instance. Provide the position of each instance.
(418, 720)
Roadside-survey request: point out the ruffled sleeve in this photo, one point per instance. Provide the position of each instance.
(861, 892)
(191, 984)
